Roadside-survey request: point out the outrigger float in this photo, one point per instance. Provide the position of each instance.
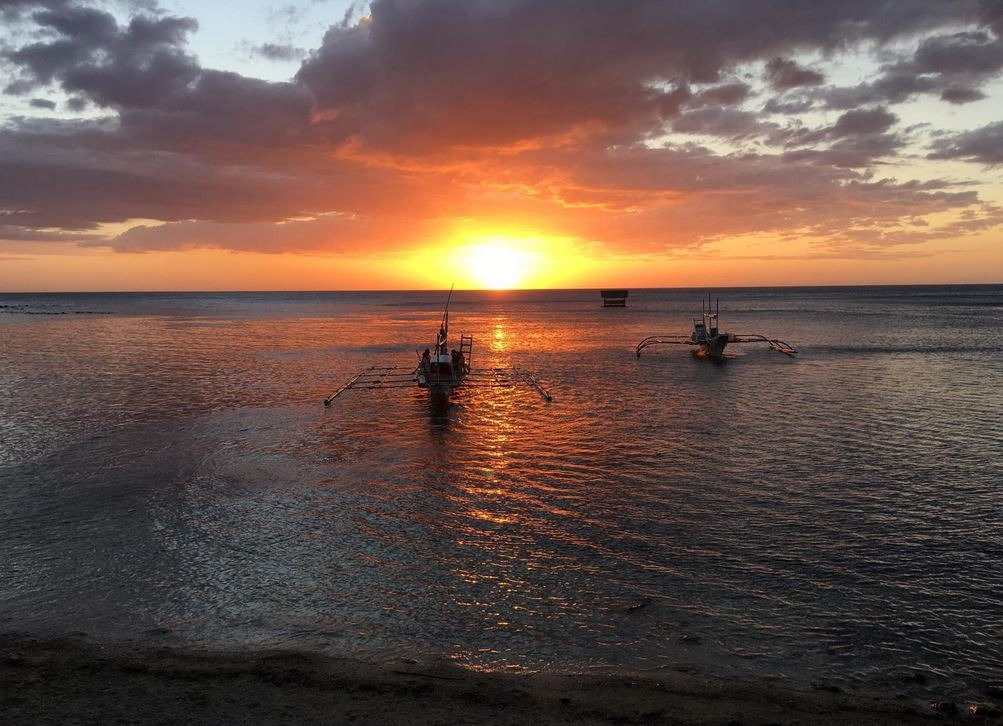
(440, 371)
(708, 339)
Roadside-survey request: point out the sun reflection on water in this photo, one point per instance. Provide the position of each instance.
(498, 340)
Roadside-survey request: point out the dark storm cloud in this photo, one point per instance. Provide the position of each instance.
(74, 176)
(857, 139)
(278, 52)
(991, 15)
(863, 121)
(788, 106)
(959, 96)
(220, 110)
(19, 88)
(959, 53)
(408, 74)
(78, 175)
(12, 11)
(717, 121)
(783, 74)
(163, 98)
(93, 56)
(87, 25)
(891, 88)
(726, 94)
(553, 112)
(42, 103)
(853, 152)
(952, 65)
(78, 197)
(984, 145)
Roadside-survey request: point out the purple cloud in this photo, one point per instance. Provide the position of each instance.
(567, 114)
(783, 74)
(984, 145)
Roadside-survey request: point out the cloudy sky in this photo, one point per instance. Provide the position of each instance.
(174, 144)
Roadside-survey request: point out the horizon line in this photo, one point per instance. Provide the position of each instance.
(494, 290)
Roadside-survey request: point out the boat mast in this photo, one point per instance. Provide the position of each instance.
(440, 340)
(711, 313)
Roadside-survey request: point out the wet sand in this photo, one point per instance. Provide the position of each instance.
(71, 680)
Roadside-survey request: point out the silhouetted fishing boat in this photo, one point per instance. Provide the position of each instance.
(709, 340)
(441, 370)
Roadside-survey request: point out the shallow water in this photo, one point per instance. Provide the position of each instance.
(168, 470)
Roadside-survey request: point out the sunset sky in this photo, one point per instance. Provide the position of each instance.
(198, 145)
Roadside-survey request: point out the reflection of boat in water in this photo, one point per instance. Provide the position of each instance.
(709, 340)
(441, 370)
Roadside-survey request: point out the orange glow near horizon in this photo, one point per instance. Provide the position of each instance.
(498, 263)
(498, 260)
(506, 259)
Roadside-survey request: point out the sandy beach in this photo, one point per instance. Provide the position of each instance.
(71, 680)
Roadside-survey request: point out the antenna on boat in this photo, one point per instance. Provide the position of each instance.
(440, 339)
(445, 313)
(443, 334)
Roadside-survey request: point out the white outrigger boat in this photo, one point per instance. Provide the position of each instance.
(441, 370)
(707, 338)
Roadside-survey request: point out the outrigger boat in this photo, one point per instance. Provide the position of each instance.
(709, 340)
(441, 370)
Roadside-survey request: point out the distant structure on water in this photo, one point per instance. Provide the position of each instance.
(614, 298)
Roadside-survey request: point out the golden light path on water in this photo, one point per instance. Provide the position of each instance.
(168, 468)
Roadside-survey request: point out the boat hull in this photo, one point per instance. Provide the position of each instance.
(439, 377)
(712, 347)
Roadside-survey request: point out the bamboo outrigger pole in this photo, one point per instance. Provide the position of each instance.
(528, 378)
(327, 401)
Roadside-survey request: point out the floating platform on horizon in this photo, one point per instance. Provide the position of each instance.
(614, 298)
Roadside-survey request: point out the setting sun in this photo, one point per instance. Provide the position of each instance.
(498, 264)
(497, 260)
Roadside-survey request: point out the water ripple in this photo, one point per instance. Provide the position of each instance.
(828, 517)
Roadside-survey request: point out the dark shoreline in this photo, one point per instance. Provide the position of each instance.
(73, 680)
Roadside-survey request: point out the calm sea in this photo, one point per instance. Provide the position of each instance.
(168, 471)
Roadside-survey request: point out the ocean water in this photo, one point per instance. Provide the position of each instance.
(168, 471)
